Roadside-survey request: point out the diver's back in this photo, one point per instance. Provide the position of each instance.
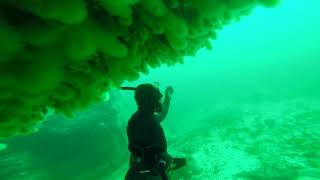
(144, 131)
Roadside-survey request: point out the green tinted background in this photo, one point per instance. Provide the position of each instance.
(248, 109)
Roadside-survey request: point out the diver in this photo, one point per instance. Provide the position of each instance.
(149, 158)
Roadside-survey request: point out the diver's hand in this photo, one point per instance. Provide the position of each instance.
(169, 91)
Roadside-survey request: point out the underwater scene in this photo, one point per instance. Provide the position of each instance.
(235, 84)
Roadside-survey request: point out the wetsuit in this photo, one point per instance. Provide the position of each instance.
(145, 133)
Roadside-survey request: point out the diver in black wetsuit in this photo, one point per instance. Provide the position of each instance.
(147, 142)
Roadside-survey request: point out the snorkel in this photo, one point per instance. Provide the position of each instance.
(155, 84)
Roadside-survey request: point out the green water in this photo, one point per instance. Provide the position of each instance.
(247, 110)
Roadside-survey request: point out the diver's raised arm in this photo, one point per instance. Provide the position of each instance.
(165, 105)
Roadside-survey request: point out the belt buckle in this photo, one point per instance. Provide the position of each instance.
(144, 171)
